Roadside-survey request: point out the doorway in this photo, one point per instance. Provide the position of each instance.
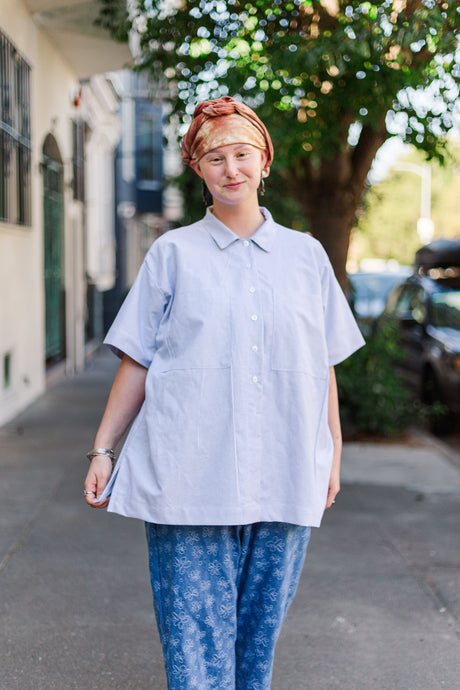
(53, 231)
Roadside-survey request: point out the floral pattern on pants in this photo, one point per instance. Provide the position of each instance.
(221, 595)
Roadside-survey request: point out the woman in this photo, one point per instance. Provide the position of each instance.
(228, 340)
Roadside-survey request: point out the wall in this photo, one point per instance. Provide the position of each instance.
(54, 86)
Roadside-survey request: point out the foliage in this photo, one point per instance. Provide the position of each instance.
(387, 226)
(317, 66)
(332, 79)
(373, 398)
(113, 15)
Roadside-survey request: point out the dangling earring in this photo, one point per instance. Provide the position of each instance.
(205, 195)
(262, 184)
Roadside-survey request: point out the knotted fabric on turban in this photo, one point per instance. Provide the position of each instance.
(220, 122)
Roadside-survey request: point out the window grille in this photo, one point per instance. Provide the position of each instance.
(15, 139)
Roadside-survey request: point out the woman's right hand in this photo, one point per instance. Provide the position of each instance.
(125, 400)
(96, 480)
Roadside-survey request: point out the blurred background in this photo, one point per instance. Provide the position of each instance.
(362, 103)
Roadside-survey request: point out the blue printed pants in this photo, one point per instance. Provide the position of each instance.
(220, 596)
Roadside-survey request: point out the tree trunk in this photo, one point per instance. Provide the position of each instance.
(330, 192)
(331, 219)
(330, 206)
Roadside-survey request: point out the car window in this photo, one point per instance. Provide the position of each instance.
(445, 309)
(411, 302)
(418, 305)
(402, 306)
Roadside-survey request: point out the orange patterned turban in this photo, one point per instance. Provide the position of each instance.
(220, 122)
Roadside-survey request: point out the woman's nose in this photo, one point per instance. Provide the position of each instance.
(230, 167)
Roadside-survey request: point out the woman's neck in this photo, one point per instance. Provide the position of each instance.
(243, 219)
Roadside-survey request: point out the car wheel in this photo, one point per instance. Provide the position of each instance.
(441, 419)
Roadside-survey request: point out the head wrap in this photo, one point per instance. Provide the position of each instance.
(220, 122)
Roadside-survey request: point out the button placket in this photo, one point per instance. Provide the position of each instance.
(252, 306)
(255, 348)
(247, 245)
(255, 378)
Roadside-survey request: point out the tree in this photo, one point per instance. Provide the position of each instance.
(332, 79)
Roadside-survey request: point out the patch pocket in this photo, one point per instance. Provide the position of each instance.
(299, 343)
(199, 333)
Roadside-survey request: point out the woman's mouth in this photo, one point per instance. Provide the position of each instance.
(233, 185)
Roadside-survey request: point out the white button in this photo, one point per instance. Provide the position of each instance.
(248, 265)
(246, 243)
(254, 379)
(254, 348)
(254, 317)
(252, 289)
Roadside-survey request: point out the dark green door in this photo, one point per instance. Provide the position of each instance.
(53, 207)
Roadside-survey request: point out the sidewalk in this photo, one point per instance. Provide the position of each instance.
(378, 606)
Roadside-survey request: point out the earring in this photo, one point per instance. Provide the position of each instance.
(205, 193)
(262, 184)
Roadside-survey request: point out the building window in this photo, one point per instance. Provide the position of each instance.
(15, 143)
(149, 157)
(78, 159)
(149, 146)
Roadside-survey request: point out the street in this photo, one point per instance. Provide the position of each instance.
(377, 608)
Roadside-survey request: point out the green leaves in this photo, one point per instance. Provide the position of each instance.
(346, 57)
(373, 397)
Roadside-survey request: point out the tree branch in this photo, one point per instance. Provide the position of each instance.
(316, 14)
(405, 7)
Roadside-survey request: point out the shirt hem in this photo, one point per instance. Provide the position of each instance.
(213, 516)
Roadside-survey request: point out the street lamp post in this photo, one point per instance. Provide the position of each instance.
(425, 225)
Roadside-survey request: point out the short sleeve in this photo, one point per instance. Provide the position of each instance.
(135, 327)
(343, 336)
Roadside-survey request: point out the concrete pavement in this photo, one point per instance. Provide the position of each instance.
(377, 608)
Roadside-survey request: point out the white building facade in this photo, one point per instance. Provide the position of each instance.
(58, 133)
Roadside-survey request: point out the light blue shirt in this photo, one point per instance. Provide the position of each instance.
(238, 336)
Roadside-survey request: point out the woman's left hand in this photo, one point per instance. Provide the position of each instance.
(334, 486)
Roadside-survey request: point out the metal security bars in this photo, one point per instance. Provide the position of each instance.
(15, 141)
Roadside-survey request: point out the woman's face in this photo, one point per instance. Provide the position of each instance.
(232, 172)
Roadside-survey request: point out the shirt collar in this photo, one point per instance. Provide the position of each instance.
(223, 236)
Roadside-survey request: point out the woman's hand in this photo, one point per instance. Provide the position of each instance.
(125, 400)
(96, 480)
(334, 485)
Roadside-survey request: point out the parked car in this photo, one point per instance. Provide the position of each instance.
(425, 311)
(369, 293)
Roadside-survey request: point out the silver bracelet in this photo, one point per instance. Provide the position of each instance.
(108, 452)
